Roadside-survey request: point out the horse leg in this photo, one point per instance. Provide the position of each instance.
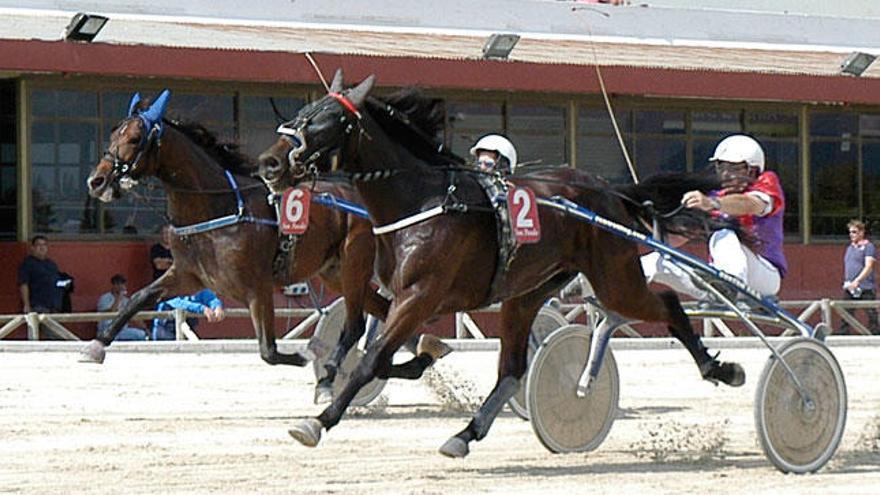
(621, 287)
(170, 283)
(406, 314)
(357, 270)
(517, 315)
(262, 310)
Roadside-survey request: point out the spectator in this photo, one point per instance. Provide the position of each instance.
(39, 282)
(203, 302)
(113, 301)
(160, 253)
(858, 268)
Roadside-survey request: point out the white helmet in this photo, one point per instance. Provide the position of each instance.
(740, 148)
(498, 144)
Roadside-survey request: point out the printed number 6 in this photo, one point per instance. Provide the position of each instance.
(294, 209)
(522, 220)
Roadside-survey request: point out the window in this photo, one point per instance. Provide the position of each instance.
(258, 121)
(70, 129)
(834, 172)
(467, 122)
(8, 160)
(598, 151)
(538, 133)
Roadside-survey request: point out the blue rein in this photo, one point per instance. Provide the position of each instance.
(228, 220)
(325, 199)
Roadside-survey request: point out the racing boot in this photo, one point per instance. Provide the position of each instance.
(730, 373)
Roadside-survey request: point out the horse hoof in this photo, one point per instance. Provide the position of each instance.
(323, 395)
(93, 353)
(307, 432)
(432, 346)
(730, 373)
(455, 448)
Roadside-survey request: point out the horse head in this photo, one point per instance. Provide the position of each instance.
(129, 155)
(313, 142)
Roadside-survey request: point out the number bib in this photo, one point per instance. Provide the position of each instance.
(295, 211)
(523, 215)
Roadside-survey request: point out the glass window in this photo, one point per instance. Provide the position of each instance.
(838, 125)
(467, 122)
(258, 121)
(659, 122)
(772, 124)
(598, 150)
(871, 185)
(8, 160)
(716, 124)
(538, 133)
(656, 155)
(833, 186)
(214, 112)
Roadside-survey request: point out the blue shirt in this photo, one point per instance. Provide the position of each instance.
(195, 303)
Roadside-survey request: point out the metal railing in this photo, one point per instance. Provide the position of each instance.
(714, 321)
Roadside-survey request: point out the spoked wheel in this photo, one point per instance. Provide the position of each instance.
(563, 421)
(799, 436)
(328, 330)
(546, 321)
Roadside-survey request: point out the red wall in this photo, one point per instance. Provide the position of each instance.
(815, 271)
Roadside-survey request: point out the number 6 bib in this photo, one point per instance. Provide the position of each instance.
(295, 211)
(523, 215)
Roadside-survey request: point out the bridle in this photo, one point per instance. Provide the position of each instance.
(122, 169)
(292, 133)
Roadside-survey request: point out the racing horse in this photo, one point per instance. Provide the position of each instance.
(447, 262)
(206, 181)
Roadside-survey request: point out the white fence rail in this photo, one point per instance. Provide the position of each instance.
(822, 310)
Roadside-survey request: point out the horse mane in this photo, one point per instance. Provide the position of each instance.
(228, 155)
(420, 120)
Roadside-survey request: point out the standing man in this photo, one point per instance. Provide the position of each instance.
(39, 285)
(160, 253)
(753, 196)
(858, 268)
(113, 301)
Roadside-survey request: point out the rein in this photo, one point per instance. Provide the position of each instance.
(225, 221)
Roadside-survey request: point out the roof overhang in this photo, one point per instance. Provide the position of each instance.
(264, 51)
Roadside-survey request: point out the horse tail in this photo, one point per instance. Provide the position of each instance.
(664, 192)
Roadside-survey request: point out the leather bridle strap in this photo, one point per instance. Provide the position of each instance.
(346, 103)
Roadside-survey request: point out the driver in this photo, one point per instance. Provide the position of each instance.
(494, 153)
(753, 196)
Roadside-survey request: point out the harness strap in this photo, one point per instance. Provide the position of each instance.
(327, 199)
(410, 220)
(226, 221)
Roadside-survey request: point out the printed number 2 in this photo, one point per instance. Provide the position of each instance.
(522, 220)
(294, 208)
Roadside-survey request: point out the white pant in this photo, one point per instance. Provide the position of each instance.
(728, 254)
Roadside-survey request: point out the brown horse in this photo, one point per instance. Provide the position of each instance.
(235, 260)
(448, 262)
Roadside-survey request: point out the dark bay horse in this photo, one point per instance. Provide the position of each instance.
(447, 263)
(235, 260)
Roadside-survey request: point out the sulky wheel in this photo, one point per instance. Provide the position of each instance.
(563, 421)
(328, 330)
(799, 437)
(546, 321)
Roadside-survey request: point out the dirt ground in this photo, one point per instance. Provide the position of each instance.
(217, 423)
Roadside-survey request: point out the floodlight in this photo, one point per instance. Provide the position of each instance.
(499, 45)
(857, 63)
(84, 27)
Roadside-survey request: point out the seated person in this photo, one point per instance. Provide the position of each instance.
(495, 153)
(753, 196)
(203, 302)
(113, 301)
